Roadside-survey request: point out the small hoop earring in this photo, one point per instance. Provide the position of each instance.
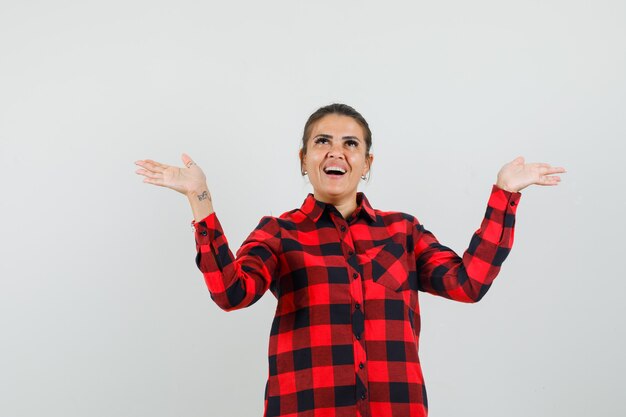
(363, 177)
(304, 173)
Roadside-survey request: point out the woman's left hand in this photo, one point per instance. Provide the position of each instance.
(517, 175)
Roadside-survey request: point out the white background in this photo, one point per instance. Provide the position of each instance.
(102, 309)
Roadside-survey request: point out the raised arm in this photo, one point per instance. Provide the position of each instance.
(442, 272)
(233, 282)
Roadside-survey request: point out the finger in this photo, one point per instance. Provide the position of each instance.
(144, 161)
(156, 163)
(153, 181)
(556, 170)
(152, 166)
(546, 169)
(549, 169)
(187, 160)
(149, 174)
(538, 169)
(549, 180)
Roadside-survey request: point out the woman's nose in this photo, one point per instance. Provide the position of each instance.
(336, 151)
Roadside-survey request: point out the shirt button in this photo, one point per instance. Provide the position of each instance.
(363, 396)
(357, 306)
(343, 228)
(355, 275)
(512, 203)
(361, 365)
(358, 337)
(351, 253)
(203, 233)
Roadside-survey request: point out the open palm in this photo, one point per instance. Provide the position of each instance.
(517, 175)
(184, 180)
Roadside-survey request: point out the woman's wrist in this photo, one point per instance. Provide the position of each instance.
(201, 202)
(505, 187)
(198, 189)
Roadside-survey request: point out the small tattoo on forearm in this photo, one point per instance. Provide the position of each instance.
(204, 196)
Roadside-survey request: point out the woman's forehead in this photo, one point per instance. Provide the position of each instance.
(337, 125)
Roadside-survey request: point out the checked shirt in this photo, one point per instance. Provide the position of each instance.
(345, 337)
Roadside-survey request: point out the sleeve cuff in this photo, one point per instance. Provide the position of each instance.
(208, 231)
(208, 219)
(506, 201)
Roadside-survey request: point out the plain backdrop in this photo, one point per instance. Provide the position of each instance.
(103, 311)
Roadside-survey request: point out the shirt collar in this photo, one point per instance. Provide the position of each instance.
(314, 208)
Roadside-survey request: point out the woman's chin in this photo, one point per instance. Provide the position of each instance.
(335, 193)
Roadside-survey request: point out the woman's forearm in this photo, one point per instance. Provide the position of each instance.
(200, 201)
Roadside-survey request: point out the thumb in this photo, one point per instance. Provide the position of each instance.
(186, 159)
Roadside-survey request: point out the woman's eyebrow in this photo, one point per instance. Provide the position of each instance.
(325, 135)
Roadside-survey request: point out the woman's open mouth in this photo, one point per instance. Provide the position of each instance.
(334, 172)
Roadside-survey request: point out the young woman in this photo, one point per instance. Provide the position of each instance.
(344, 341)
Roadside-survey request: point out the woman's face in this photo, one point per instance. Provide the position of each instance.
(336, 141)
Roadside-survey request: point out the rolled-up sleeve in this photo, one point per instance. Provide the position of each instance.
(442, 272)
(235, 282)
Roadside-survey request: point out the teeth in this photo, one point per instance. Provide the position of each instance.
(332, 168)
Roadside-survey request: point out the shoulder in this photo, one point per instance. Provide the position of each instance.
(286, 221)
(397, 222)
(385, 216)
(388, 217)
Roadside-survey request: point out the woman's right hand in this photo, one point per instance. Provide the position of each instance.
(186, 180)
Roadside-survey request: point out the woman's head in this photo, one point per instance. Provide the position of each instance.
(335, 136)
(340, 109)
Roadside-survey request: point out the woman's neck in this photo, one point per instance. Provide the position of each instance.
(345, 206)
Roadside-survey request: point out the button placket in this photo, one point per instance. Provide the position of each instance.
(356, 290)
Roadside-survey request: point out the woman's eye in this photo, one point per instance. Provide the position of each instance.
(353, 143)
(321, 140)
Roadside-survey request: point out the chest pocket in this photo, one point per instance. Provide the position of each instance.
(388, 266)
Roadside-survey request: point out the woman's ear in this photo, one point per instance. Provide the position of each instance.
(370, 160)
